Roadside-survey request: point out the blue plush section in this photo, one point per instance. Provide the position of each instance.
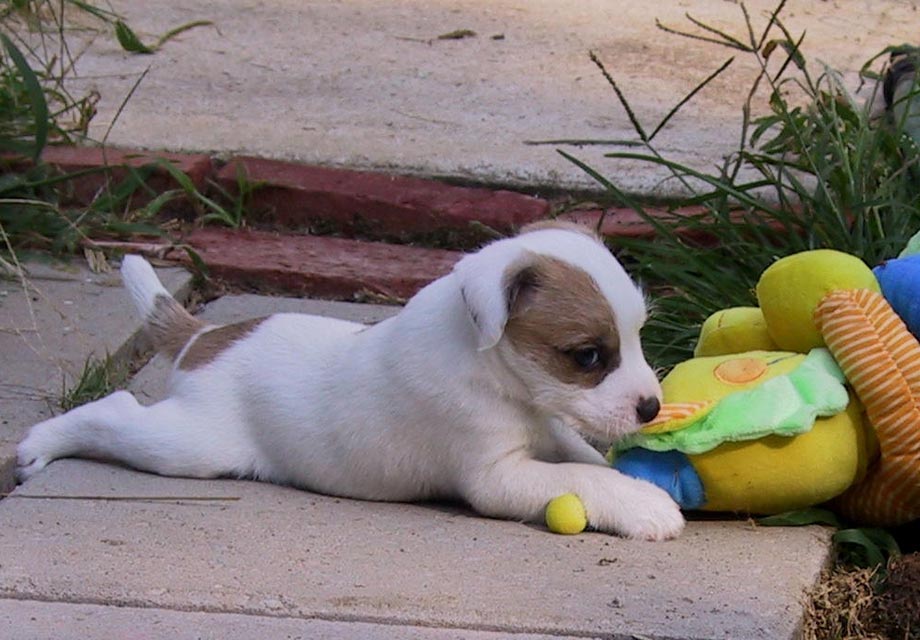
(900, 282)
(670, 470)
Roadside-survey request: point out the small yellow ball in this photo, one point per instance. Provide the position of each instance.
(566, 514)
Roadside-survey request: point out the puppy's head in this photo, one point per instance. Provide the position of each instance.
(564, 318)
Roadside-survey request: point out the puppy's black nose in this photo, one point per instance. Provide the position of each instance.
(648, 408)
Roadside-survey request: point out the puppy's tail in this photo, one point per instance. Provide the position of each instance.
(167, 322)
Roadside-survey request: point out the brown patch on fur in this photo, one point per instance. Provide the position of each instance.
(170, 326)
(210, 344)
(557, 310)
(562, 225)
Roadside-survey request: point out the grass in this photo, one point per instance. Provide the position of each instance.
(37, 109)
(99, 378)
(819, 170)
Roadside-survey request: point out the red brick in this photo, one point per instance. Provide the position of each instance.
(376, 204)
(624, 222)
(85, 189)
(318, 266)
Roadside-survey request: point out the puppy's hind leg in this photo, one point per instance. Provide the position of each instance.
(163, 438)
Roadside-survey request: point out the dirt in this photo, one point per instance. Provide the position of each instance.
(896, 610)
(852, 603)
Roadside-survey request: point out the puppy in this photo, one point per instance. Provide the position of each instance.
(479, 390)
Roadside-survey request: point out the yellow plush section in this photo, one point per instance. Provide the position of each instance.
(777, 473)
(734, 330)
(791, 288)
(774, 473)
(881, 359)
(700, 380)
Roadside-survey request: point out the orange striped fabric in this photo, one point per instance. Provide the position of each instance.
(881, 360)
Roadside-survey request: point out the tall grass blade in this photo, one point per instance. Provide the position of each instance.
(36, 95)
(172, 33)
(622, 98)
(695, 36)
(687, 98)
(129, 40)
(717, 183)
(730, 40)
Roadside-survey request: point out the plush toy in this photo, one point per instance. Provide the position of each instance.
(881, 360)
(753, 424)
(762, 431)
(900, 282)
(790, 289)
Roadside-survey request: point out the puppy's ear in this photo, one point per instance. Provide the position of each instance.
(491, 283)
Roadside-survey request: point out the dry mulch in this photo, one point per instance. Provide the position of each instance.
(851, 604)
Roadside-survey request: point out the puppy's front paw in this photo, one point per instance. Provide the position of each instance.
(38, 449)
(29, 460)
(649, 513)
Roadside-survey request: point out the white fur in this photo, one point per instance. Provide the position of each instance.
(142, 283)
(427, 404)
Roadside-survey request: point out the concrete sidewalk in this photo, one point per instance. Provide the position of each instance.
(278, 562)
(369, 84)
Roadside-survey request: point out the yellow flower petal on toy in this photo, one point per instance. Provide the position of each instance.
(695, 381)
(759, 400)
(779, 473)
(740, 370)
(677, 415)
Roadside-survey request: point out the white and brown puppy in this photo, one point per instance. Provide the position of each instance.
(477, 390)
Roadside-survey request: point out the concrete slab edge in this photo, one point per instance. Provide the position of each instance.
(40, 619)
(395, 623)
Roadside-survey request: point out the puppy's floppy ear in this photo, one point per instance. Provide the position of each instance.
(490, 282)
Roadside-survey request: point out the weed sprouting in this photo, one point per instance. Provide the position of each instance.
(99, 378)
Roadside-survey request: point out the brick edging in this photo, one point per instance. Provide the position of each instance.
(296, 206)
(303, 197)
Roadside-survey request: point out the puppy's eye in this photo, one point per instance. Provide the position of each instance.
(587, 357)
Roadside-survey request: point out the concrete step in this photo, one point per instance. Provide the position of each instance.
(371, 85)
(255, 549)
(275, 551)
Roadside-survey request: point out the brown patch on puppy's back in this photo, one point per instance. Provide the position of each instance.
(210, 344)
(170, 326)
(558, 309)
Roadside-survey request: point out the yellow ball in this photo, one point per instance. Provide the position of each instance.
(734, 330)
(566, 514)
(791, 288)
